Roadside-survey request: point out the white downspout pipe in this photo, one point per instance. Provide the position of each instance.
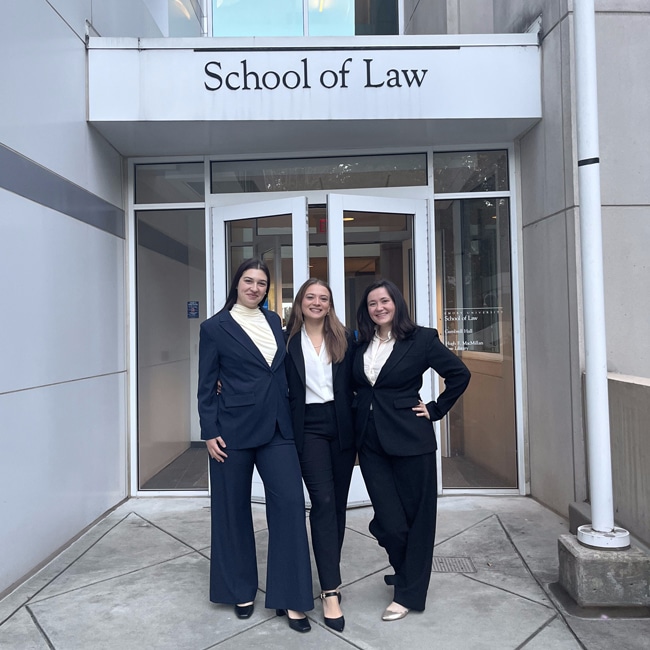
(601, 533)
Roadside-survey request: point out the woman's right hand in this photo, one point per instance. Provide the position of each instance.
(216, 448)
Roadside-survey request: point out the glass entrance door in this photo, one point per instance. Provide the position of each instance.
(274, 231)
(369, 238)
(349, 242)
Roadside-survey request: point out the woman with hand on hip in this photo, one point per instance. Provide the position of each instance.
(246, 422)
(318, 369)
(397, 444)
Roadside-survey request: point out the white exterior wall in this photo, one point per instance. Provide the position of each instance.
(63, 459)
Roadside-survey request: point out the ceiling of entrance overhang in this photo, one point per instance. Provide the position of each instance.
(237, 138)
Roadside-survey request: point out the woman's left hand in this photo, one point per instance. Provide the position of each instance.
(422, 411)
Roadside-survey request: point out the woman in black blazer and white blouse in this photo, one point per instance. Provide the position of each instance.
(397, 444)
(318, 369)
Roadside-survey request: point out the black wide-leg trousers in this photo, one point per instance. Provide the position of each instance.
(327, 471)
(233, 564)
(403, 492)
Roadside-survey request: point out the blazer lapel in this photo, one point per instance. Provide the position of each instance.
(399, 350)
(231, 327)
(279, 339)
(297, 358)
(358, 363)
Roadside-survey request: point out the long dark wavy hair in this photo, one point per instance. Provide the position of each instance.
(402, 327)
(334, 333)
(253, 263)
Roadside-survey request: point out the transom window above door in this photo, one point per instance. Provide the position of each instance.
(329, 173)
(241, 18)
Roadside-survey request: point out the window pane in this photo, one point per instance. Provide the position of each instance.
(474, 269)
(268, 238)
(470, 171)
(318, 242)
(257, 17)
(301, 174)
(376, 17)
(376, 245)
(169, 183)
(479, 446)
(331, 17)
(171, 293)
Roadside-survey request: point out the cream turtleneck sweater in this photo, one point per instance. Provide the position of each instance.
(254, 323)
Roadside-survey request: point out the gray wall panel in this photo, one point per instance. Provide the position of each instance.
(549, 369)
(31, 181)
(629, 418)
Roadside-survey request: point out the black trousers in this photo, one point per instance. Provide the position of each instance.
(403, 491)
(327, 472)
(233, 563)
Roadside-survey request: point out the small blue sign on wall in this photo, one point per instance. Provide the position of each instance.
(192, 308)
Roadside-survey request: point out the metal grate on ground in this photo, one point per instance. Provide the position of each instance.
(452, 565)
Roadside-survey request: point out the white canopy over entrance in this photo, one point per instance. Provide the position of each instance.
(153, 97)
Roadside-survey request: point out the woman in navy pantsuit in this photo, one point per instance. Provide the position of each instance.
(319, 375)
(247, 423)
(397, 445)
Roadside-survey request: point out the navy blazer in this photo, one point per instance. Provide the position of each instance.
(254, 395)
(397, 390)
(343, 395)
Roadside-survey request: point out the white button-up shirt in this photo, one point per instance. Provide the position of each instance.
(319, 383)
(376, 355)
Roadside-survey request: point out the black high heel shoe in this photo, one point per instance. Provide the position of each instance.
(336, 624)
(244, 611)
(297, 624)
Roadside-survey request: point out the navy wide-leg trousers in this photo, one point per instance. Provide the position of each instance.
(233, 566)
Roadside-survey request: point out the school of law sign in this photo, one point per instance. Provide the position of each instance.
(246, 77)
(212, 81)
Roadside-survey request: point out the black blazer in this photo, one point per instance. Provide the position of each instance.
(396, 391)
(254, 395)
(342, 381)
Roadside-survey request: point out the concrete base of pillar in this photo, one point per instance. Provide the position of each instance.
(604, 578)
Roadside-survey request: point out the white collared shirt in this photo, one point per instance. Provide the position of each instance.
(376, 355)
(319, 383)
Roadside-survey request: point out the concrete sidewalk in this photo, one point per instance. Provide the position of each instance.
(139, 579)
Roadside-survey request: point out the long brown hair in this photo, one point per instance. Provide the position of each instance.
(334, 333)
